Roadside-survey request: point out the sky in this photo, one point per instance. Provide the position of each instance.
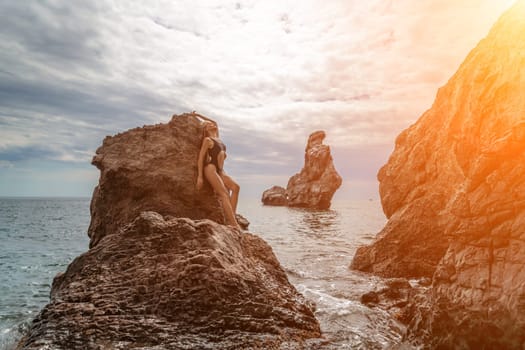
(269, 72)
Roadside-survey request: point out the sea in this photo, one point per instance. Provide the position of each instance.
(41, 236)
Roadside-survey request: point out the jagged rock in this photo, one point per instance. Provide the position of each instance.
(274, 196)
(317, 182)
(393, 297)
(315, 185)
(370, 298)
(175, 284)
(153, 168)
(242, 221)
(454, 193)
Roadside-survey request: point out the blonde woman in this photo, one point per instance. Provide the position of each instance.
(211, 167)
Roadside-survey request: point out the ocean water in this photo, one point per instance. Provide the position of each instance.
(40, 237)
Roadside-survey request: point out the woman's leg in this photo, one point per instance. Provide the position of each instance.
(234, 188)
(220, 189)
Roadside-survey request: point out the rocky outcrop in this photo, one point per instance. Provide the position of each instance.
(153, 168)
(174, 284)
(314, 186)
(154, 279)
(317, 182)
(275, 196)
(435, 158)
(454, 193)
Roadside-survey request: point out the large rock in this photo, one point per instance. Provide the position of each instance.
(157, 278)
(454, 192)
(435, 158)
(314, 186)
(275, 196)
(174, 284)
(153, 168)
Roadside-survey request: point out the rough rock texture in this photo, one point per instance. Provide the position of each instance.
(153, 168)
(317, 182)
(156, 279)
(454, 193)
(448, 154)
(275, 196)
(393, 297)
(174, 284)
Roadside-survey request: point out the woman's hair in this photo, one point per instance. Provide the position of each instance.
(205, 127)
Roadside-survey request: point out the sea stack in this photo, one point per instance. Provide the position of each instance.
(454, 193)
(162, 272)
(314, 186)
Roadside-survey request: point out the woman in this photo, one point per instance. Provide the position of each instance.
(210, 167)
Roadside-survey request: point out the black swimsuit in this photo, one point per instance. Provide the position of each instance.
(213, 152)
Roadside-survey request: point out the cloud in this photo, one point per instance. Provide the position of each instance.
(56, 33)
(5, 164)
(14, 154)
(270, 72)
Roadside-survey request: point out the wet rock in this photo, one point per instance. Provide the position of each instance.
(152, 168)
(242, 221)
(174, 284)
(454, 193)
(370, 298)
(393, 297)
(275, 196)
(396, 288)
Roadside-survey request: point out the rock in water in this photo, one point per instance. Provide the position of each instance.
(174, 284)
(275, 196)
(317, 182)
(155, 278)
(153, 168)
(454, 193)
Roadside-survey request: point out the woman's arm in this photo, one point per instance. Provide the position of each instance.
(204, 117)
(206, 144)
(207, 119)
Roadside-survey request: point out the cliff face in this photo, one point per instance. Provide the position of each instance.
(440, 158)
(154, 279)
(454, 193)
(153, 168)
